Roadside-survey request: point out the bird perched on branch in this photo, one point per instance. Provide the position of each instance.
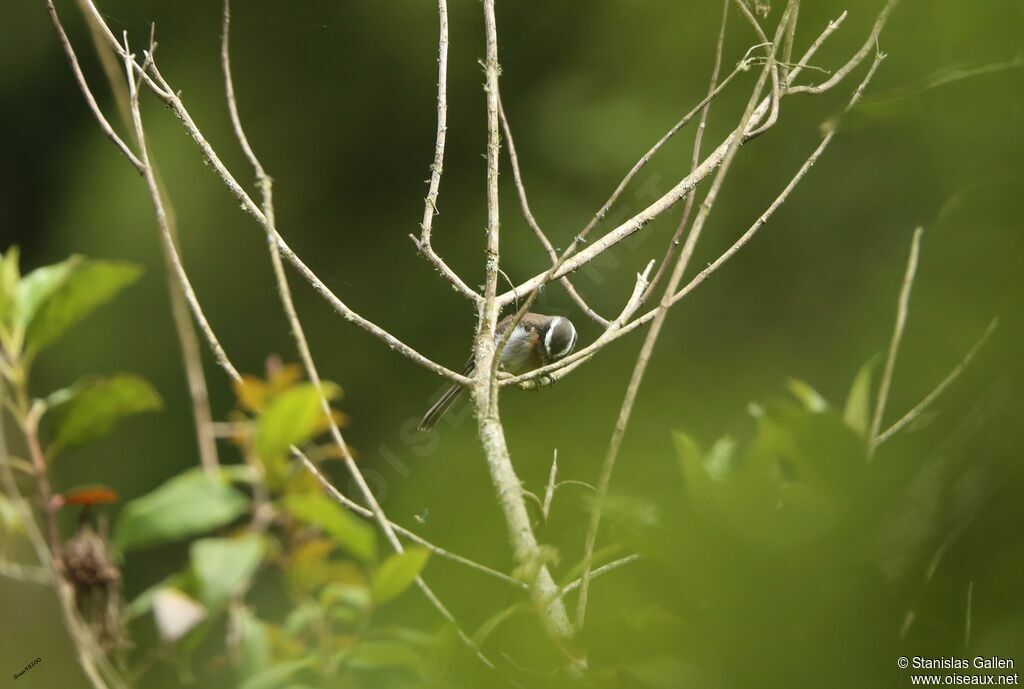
(537, 340)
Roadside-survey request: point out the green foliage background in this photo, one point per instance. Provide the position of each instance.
(338, 99)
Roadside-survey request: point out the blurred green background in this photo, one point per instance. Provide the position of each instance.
(338, 100)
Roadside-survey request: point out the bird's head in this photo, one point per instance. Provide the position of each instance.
(559, 338)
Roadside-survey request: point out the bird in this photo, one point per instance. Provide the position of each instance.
(537, 340)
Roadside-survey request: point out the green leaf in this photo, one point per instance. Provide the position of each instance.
(720, 459)
(397, 573)
(223, 566)
(10, 517)
(307, 615)
(857, 412)
(318, 510)
(352, 595)
(253, 642)
(277, 676)
(93, 408)
(377, 655)
(703, 488)
(64, 294)
(36, 287)
(186, 505)
(807, 395)
(495, 621)
(292, 418)
(62, 396)
(8, 287)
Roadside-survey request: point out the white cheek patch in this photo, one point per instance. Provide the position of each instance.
(572, 342)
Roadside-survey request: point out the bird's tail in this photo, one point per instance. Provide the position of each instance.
(435, 413)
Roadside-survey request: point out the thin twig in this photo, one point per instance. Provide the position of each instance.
(436, 167)
(42, 476)
(603, 569)
(25, 573)
(897, 335)
(549, 492)
(202, 415)
(857, 58)
(829, 30)
(921, 406)
(772, 64)
(787, 45)
(83, 86)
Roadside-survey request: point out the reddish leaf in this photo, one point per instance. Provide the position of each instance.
(90, 495)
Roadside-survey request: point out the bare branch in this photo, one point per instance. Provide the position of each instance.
(549, 492)
(99, 24)
(28, 574)
(603, 569)
(829, 30)
(787, 45)
(83, 86)
(897, 335)
(921, 406)
(773, 66)
(857, 58)
(436, 168)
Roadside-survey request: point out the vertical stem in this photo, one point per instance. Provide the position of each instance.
(897, 335)
(484, 390)
(202, 415)
(437, 166)
(43, 482)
